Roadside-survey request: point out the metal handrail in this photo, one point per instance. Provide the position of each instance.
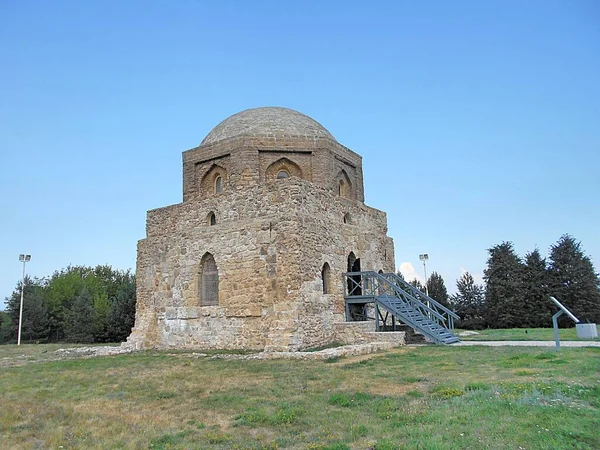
(382, 290)
(423, 294)
(400, 293)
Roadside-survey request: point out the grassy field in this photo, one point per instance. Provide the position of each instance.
(523, 334)
(428, 397)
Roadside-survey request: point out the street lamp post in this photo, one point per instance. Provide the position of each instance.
(24, 259)
(424, 257)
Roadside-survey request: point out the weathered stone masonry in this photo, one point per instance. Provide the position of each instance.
(272, 205)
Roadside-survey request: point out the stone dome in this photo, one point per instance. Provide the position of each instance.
(267, 121)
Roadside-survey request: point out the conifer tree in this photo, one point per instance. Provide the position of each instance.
(468, 302)
(537, 307)
(437, 289)
(416, 283)
(573, 279)
(5, 327)
(34, 326)
(80, 327)
(503, 295)
(121, 316)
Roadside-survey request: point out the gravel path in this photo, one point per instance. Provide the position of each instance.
(530, 343)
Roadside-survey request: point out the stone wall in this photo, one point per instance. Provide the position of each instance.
(364, 332)
(270, 243)
(246, 159)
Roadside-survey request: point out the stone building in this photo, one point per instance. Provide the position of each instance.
(273, 213)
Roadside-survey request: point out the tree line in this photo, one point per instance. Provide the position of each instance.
(516, 290)
(97, 304)
(78, 304)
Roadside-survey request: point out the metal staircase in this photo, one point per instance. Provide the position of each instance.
(394, 296)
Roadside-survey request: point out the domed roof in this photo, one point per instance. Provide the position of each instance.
(267, 121)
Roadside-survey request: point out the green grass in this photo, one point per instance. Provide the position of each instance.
(520, 334)
(427, 397)
(14, 355)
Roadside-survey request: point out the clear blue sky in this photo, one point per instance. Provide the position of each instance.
(478, 121)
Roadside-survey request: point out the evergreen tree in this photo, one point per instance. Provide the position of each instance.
(537, 307)
(80, 326)
(400, 274)
(416, 283)
(5, 327)
(121, 316)
(503, 295)
(437, 289)
(35, 316)
(34, 326)
(573, 279)
(468, 303)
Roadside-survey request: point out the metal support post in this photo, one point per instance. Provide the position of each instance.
(24, 259)
(555, 324)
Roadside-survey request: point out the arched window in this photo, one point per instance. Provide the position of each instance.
(283, 168)
(347, 218)
(344, 185)
(213, 181)
(211, 219)
(208, 281)
(326, 278)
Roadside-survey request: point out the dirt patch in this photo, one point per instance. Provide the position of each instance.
(391, 389)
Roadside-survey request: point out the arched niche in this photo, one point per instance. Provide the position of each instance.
(344, 187)
(214, 181)
(208, 281)
(281, 169)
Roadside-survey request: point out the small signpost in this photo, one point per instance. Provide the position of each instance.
(555, 317)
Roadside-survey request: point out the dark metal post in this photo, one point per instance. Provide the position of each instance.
(555, 324)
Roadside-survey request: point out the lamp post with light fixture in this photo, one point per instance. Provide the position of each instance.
(24, 259)
(424, 257)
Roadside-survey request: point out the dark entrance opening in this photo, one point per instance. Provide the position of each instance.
(354, 281)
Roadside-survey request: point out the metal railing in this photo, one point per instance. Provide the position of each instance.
(391, 289)
(449, 315)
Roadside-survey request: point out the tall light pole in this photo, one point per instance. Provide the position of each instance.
(24, 259)
(424, 257)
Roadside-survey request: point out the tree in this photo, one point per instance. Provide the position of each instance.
(416, 283)
(503, 294)
(62, 289)
(80, 327)
(79, 304)
(103, 284)
(468, 302)
(537, 307)
(5, 327)
(573, 279)
(34, 326)
(121, 316)
(437, 289)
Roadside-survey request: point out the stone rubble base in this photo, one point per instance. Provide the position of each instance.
(329, 353)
